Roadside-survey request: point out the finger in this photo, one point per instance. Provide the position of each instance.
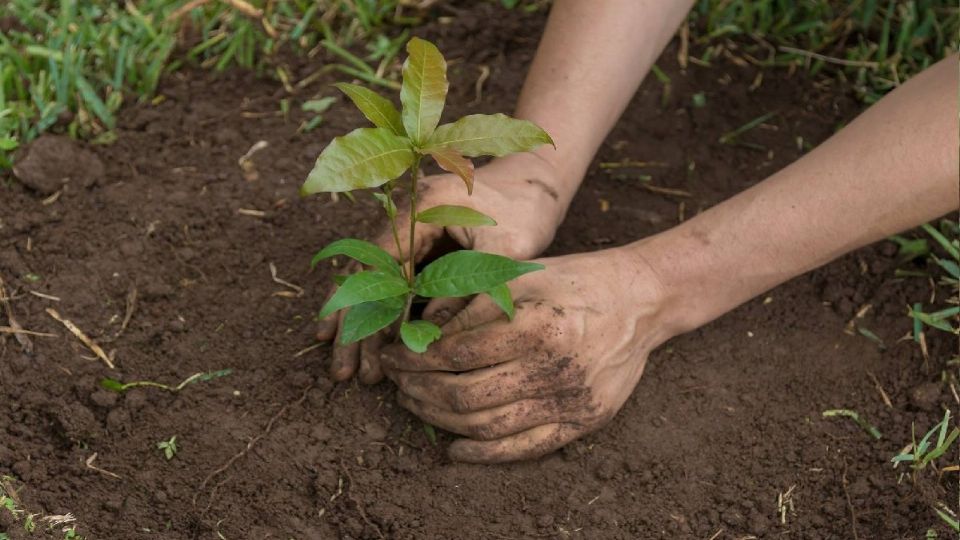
(479, 311)
(493, 423)
(493, 386)
(440, 310)
(345, 359)
(489, 345)
(370, 372)
(529, 444)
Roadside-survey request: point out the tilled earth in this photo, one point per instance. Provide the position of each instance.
(159, 247)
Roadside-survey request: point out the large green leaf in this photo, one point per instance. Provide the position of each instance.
(363, 158)
(451, 161)
(424, 89)
(417, 335)
(361, 250)
(364, 320)
(488, 135)
(365, 287)
(450, 215)
(375, 107)
(501, 297)
(463, 273)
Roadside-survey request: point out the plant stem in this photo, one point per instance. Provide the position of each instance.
(414, 177)
(393, 226)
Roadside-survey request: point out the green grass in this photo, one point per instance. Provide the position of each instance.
(872, 44)
(75, 63)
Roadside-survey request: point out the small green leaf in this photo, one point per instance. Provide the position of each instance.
(318, 105)
(368, 318)
(362, 251)
(451, 161)
(113, 385)
(417, 335)
(375, 107)
(454, 216)
(364, 287)
(488, 135)
(463, 273)
(363, 158)
(8, 143)
(387, 202)
(430, 432)
(501, 297)
(424, 89)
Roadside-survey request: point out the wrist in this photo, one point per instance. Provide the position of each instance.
(678, 268)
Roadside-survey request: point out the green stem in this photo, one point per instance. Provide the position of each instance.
(414, 176)
(393, 227)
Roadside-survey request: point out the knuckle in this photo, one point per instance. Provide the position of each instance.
(460, 400)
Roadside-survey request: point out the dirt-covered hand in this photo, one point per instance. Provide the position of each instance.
(515, 191)
(562, 368)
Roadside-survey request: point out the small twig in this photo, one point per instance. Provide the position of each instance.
(12, 330)
(302, 352)
(273, 274)
(883, 394)
(666, 191)
(830, 59)
(853, 513)
(478, 86)
(90, 465)
(25, 343)
(128, 314)
(233, 459)
(356, 502)
(251, 212)
(92, 345)
(186, 8)
(45, 296)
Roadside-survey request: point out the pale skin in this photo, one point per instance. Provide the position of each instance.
(586, 325)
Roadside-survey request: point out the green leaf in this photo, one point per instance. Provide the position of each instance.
(488, 135)
(375, 107)
(363, 158)
(463, 273)
(501, 297)
(364, 287)
(362, 251)
(368, 318)
(451, 161)
(113, 385)
(417, 335)
(450, 215)
(318, 105)
(387, 202)
(424, 89)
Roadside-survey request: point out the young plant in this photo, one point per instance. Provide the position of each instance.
(375, 158)
(168, 447)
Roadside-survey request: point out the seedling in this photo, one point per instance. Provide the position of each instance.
(168, 447)
(116, 386)
(375, 158)
(853, 415)
(920, 454)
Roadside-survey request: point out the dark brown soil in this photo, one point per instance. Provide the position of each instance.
(725, 419)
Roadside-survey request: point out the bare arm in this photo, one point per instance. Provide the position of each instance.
(585, 325)
(892, 168)
(591, 59)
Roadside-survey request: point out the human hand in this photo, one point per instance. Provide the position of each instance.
(515, 191)
(561, 369)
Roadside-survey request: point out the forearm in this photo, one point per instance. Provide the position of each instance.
(590, 61)
(893, 168)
